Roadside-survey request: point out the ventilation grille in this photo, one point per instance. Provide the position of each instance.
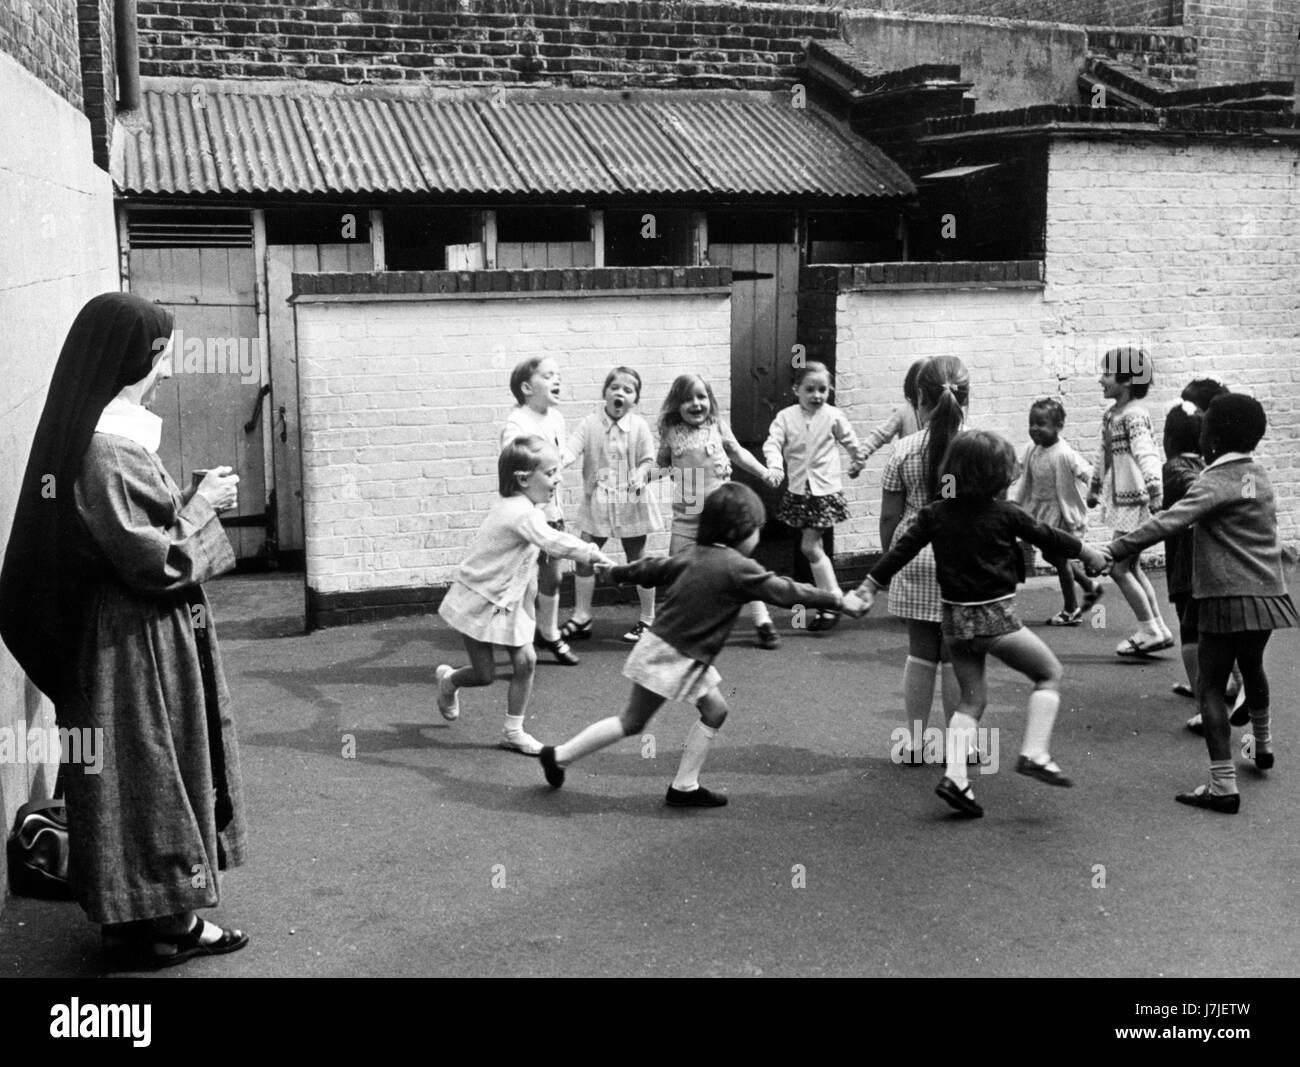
(190, 229)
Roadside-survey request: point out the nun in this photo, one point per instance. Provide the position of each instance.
(102, 605)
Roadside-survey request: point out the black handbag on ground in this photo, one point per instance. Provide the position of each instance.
(37, 851)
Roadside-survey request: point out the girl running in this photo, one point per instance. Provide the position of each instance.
(491, 600)
(1237, 582)
(974, 534)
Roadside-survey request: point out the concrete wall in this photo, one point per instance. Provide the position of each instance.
(403, 405)
(1190, 250)
(59, 250)
(1013, 64)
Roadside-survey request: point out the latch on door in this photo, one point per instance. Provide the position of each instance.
(251, 424)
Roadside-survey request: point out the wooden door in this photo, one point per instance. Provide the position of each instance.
(764, 309)
(215, 389)
(282, 262)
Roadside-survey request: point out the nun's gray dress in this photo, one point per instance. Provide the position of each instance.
(149, 833)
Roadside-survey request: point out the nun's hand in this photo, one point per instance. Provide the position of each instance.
(218, 488)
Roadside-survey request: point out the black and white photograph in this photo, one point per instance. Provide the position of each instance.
(651, 489)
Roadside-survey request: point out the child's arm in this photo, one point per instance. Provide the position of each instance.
(1056, 544)
(842, 430)
(1021, 490)
(758, 583)
(1094, 483)
(743, 458)
(1142, 446)
(774, 446)
(882, 434)
(1200, 501)
(558, 543)
(647, 571)
(901, 552)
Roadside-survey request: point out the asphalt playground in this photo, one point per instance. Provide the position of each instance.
(386, 842)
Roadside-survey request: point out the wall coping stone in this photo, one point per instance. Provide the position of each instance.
(496, 284)
(959, 274)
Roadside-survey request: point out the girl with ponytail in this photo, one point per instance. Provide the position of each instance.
(911, 480)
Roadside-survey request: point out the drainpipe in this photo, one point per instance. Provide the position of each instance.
(128, 55)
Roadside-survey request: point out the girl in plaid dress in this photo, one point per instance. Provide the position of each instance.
(909, 483)
(1126, 480)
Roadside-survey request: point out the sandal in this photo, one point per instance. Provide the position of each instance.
(1138, 646)
(1066, 618)
(961, 799)
(189, 945)
(827, 620)
(1196, 725)
(573, 630)
(1182, 689)
(1044, 772)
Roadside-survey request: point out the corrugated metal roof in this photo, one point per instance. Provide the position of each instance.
(257, 137)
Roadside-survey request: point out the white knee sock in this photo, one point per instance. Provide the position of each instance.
(646, 594)
(584, 588)
(598, 735)
(961, 738)
(761, 614)
(823, 572)
(1043, 704)
(949, 690)
(918, 691)
(697, 749)
(548, 616)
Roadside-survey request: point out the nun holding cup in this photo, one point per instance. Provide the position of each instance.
(101, 604)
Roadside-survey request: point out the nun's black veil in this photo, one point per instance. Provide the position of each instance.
(113, 343)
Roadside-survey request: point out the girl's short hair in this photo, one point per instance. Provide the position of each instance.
(520, 375)
(1131, 366)
(909, 382)
(730, 514)
(943, 386)
(523, 455)
(636, 380)
(1052, 405)
(1183, 429)
(813, 367)
(979, 465)
(678, 393)
(1200, 391)
(1234, 422)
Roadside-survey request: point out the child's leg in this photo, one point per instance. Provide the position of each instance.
(1065, 576)
(1152, 600)
(1250, 658)
(1081, 577)
(713, 713)
(584, 588)
(481, 669)
(823, 570)
(1025, 652)
(924, 642)
(641, 705)
(548, 599)
(1134, 593)
(524, 662)
(968, 665)
(1215, 656)
(949, 687)
(634, 549)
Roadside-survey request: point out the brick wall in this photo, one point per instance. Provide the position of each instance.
(42, 36)
(1079, 12)
(1170, 57)
(1245, 40)
(403, 399)
(1189, 249)
(98, 33)
(580, 42)
(59, 249)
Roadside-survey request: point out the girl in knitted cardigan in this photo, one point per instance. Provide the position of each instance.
(1126, 480)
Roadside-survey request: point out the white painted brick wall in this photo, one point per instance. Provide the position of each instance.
(1191, 250)
(403, 405)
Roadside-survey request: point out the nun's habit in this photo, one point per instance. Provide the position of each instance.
(101, 604)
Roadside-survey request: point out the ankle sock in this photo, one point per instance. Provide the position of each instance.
(598, 735)
(1043, 705)
(961, 738)
(646, 594)
(760, 612)
(698, 741)
(548, 616)
(1223, 778)
(584, 590)
(1260, 727)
